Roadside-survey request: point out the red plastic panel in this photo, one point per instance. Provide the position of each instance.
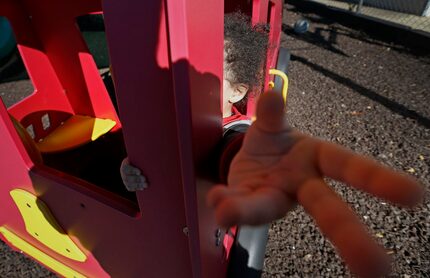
(63, 72)
(65, 79)
(36, 61)
(167, 62)
(267, 11)
(15, 165)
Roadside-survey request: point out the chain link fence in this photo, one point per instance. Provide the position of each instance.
(416, 7)
(410, 14)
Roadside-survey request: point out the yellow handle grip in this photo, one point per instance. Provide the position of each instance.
(284, 78)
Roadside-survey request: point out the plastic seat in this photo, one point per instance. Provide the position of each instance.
(74, 132)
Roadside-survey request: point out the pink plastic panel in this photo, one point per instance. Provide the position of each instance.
(197, 55)
(138, 43)
(171, 116)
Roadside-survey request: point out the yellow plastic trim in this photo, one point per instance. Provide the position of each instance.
(284, 78)
(41, 224)
(45, 259)
(76, 131)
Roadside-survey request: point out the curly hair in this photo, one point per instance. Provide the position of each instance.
(245, 50)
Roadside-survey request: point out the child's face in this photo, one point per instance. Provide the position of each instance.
(232, 92)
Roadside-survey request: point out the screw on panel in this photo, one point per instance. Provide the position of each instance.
(218, 237)
(185, 231)
(218, 232)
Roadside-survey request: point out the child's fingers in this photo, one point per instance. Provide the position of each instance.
(136, 186)
(134, 183)
(342, 227)
(130, 170)
(254, 208)
(135, 179)
(367, 175)
(220, 192)
(127, 169)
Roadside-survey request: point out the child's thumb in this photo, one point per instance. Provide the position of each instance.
(271, 112)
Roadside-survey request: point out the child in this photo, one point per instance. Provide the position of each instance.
(245, 50)
(278, 167)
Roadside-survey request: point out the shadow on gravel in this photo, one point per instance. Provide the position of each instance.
(390, 104)
(377, 32)
(316, 38)
(357, 34)
(12, 68)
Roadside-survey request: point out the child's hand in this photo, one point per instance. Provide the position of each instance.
(278, 167)
(132, 177)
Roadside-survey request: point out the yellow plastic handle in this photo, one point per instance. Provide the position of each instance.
(284, 78)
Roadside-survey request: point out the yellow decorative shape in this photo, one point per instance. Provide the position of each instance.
(76, 131)
(32, 251)
(284, 78)
(41, 224)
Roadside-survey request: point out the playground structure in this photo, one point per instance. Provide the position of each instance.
(61, 196)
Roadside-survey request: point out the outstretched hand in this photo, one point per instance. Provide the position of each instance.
(279, 167)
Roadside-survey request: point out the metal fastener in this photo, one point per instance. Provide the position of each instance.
(185, 231)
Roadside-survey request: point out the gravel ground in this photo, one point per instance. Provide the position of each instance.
(372, 97)
(362, 93)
